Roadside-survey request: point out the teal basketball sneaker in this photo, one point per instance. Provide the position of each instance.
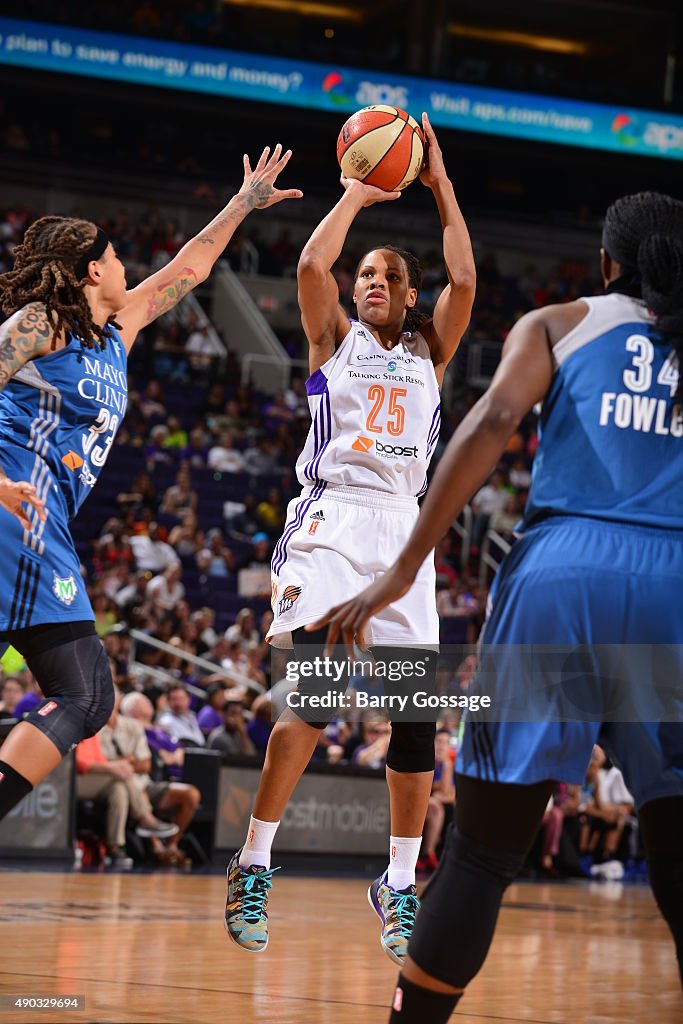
(246, 908)
(396, 910)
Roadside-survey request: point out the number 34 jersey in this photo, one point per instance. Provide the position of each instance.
(376, 416)
(611, 429)
(64, 409)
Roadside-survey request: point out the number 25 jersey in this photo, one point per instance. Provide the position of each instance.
(376, 416)
(64, 408)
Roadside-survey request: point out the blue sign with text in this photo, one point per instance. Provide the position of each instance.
(304, 84)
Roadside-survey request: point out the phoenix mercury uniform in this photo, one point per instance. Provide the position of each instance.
(600, 564)
(58, 418)
(376, 419)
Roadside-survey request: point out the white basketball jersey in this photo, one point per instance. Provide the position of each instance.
(376, 416)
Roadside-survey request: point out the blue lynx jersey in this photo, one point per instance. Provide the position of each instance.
(611, 430)
(65, 409)
(58, 419)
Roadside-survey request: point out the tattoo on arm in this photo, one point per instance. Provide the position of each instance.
(169, 294)
(205, 240)
(24, 336)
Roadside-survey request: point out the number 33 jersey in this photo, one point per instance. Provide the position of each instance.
(376, 416)
(64, 409)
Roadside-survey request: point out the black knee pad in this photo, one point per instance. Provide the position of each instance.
(77, 682)
(411, 748)
(468, 886)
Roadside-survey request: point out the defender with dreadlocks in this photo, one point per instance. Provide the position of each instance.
(599, 566)
(374, 398)
(63, 378)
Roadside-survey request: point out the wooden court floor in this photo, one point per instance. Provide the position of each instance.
(151, 948)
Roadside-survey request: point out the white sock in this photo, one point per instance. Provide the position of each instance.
(256, 849)
(403, 854)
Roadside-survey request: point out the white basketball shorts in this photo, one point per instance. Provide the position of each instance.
(338, 540)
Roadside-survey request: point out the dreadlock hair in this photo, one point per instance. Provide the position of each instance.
(644, 234)
(45, 272)
(413, 320)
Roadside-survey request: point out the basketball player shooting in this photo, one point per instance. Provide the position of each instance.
(374, 397)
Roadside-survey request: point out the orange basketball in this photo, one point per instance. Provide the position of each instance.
(381, 146)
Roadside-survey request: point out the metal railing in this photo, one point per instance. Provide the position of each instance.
(210, 667)
(487, 560)
(285, 371)
(463, 527)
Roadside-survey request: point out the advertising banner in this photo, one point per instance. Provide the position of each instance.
(327, 814)
(304, 84)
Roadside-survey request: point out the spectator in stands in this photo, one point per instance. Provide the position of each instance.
(216, 558)
(142, 494)
(254, 663)
(243, 629)
(178, 720)
(170, 752)
(491, 498)
(113, 546)
(111, 782)
(243, 254)
(223, 457)
(200, 352)
(606, 807)
(442, 796)
(176, 439)
(155, 452)
(245, 523)
(134, 593)
(186, 538)
(13, 689)
(446, 575)
(152, 553)
(520, 476)
(197, 450)
(261, 459)
(179, 498)
(261, 724)
(166, 589)
(260, 550)
(33, 695)
(124, 737)
(271, 513)
(375, 736)
(106, 614)
(210, 717)
(231, 736)
(205, 620)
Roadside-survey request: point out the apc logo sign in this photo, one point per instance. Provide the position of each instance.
(237, 807)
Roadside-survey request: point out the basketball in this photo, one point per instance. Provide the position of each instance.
(381, 146)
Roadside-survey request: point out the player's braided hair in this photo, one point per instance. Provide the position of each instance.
(644, 234)
(45, 272)
(413, 320)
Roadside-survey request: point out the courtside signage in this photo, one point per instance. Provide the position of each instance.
(452, 105)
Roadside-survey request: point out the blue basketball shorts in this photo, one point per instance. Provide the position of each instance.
(583, 644)
(40, 576)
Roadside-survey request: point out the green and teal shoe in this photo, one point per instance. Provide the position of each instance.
(246, 908)
(396, 910)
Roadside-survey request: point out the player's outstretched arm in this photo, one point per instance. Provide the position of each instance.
(193, 264)
(522, 379)
(324, 322)
(454, 305)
